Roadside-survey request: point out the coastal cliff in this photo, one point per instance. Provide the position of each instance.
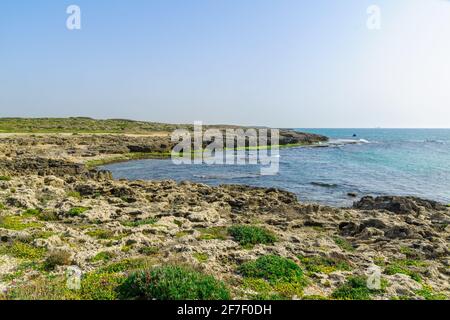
(57, 210)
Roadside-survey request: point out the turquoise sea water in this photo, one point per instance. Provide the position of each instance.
(374, 162)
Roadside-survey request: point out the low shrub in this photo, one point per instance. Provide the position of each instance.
(355, 289)
(319, 264)
(272, 268)
(101, 286)
(251, 235)
(173, 283)
(57, 258)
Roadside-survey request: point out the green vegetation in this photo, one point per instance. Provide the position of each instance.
(250, 235)
(2, 206)
(126, 265)
(31, 212)
(173, 283)
(5, 178)
(100, 286)
(178, 223)
(273, 277)
(219, 233)
(138, 223)
(325, 265)
(17, 223)
(407, 267)
(44, 234)
(355, 289)
(83, 125)
(47, 216)
(343, 244)
(23, 251)
(148, 251)
(77, 211)
(181, 234)
(91, 164)
(428, 293)
(263, 290)
(273, 269)
(103, 256)
(57, 258)
(74, 194)
(201, 257)
(101, 234)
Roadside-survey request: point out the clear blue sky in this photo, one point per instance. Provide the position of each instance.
(284, 63)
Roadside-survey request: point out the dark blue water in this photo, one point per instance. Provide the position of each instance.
(382, 162)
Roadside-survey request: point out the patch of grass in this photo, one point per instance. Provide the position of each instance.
(138, 223)
(44, 234)
(343, 244)
(273, 269)
(181, 234)
(354, 289)
(23, 251)
(103, 256)
(250, 235)
(405, 267)
(31, 213)
(77, 211)
(48, 216)
(5, 178)
(74, 194)
(126, 265)
(2, 206)
(319, 264)
(101, 234)
(178, 223)
(219, 233)
(17, 223)
(201, 257)
(148, 251)
(173, 283)
(428, 293)
(409, 252)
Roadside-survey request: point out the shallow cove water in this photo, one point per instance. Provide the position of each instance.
(362, 161)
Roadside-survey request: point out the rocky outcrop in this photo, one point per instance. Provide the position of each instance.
(399, 205)
(51, 202)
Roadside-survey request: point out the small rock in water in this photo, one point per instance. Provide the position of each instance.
(352, 194)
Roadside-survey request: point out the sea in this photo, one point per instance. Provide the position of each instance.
(361, 162)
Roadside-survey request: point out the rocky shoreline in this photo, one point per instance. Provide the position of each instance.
(57, 210)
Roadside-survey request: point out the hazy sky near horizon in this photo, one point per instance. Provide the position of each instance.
(281, 63)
